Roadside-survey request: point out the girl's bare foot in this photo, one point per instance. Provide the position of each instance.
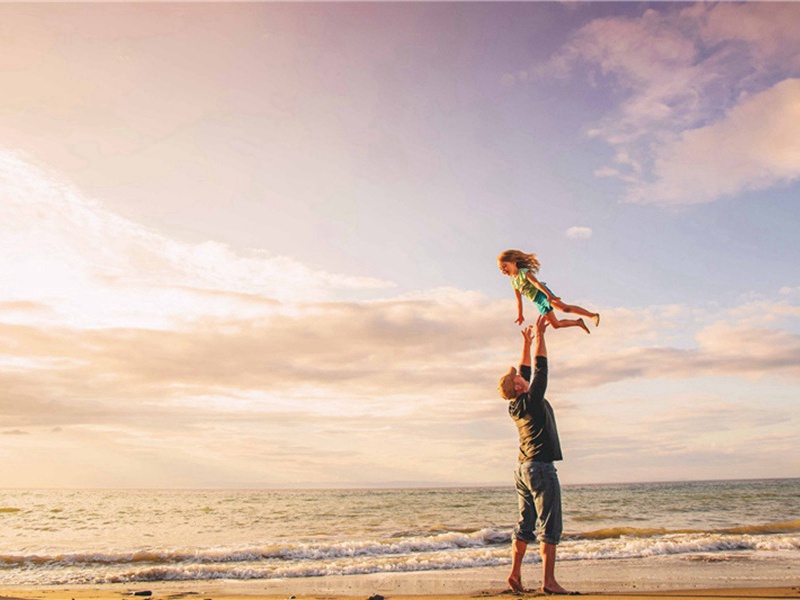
(596, 319)
(583, 325)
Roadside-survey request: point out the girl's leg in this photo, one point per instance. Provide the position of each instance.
(559, 323)
(572, 308)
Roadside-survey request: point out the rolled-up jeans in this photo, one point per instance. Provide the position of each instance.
(539, 495)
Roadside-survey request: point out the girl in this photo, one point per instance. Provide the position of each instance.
(522, 269)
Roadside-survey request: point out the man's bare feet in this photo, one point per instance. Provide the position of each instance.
(515, 584)
(554, 589)
(583, 325)
(596, 319)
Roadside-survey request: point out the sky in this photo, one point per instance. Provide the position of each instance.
(254, 245)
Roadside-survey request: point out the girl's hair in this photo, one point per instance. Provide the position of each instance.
(522, 260)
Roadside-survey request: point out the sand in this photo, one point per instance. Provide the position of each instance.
(104, 594)
(727, 576)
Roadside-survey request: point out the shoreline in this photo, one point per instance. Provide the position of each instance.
(732, 575)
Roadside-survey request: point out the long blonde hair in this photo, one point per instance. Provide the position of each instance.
(522, 260)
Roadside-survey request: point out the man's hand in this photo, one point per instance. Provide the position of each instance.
(528, 334)
(541, 324)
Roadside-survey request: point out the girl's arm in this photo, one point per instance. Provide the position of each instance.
(532, 278)
(520, 317)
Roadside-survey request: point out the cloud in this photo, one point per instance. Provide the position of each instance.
(606, 172)
(703, 428)
(736, 345)
(690, 82)
(142, 345)
(93, 268)
(377, 358)
(579, 233)
(769, 33)
(361, 377)
(375, 351)
(755, 146)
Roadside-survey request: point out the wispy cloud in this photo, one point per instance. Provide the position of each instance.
(579, 233)
(693, 83)
(93, 268)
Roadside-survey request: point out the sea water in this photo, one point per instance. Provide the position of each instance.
(95, 536)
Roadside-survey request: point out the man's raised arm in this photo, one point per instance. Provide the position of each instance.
(541, 325)
(528, 336)
(540, 371)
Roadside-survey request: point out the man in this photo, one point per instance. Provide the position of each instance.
(538, 490)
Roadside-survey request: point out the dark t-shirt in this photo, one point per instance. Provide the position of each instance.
(534, 418)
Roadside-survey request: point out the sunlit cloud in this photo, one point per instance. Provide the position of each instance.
(755, 146)
(731, 347)
(692, 82)
(74, 261)
(222, 343)
(410, 360)
(367, 375)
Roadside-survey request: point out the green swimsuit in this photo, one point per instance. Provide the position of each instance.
(523, 285)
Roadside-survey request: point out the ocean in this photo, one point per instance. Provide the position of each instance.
(124, 536)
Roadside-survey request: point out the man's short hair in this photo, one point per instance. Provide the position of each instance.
(506, 385)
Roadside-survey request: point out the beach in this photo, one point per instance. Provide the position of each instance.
(659, 538)
(702, 576)
(729, 593)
